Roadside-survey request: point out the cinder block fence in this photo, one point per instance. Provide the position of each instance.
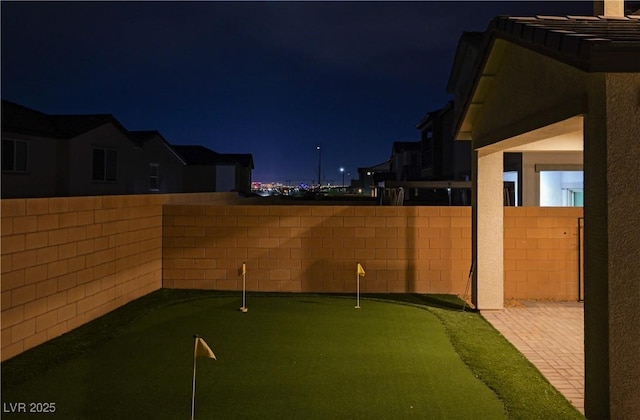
(67, 261)
(316, 248)
(403, 249)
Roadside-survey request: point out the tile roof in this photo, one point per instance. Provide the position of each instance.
(590, 43)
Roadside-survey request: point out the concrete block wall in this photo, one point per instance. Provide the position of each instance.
(541, 252)
(316, 248)
(67, 261)
(403, 249)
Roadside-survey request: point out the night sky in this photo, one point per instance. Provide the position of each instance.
(274, 79)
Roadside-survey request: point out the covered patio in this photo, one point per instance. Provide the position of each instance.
(554, 85)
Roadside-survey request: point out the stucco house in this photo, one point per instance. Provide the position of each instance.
(209, 171)
(47, 155)
(66, 155)
(553, 85)
(162, 168)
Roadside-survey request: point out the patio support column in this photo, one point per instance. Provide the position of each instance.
(612, 241)
(488, 227)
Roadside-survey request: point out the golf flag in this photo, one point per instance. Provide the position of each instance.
(203, 349)
(244, 269)
(360, 270)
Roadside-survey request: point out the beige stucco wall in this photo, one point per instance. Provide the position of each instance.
(612, 247)
(623, 155)
(488, 227)
(529, 91)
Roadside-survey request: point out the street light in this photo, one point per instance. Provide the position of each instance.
(319, 166)
(342, 171)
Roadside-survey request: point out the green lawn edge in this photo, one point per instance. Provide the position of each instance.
(524, 391)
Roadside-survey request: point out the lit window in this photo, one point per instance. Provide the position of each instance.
(154, 175)
(105, 164)
(561, 188)
(14, 155)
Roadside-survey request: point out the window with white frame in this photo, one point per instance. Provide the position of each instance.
(154, 176)
(105, 165)
(14, 155)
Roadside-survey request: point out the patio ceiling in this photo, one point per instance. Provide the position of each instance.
(566, 135)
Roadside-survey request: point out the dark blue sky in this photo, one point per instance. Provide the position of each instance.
(273, 79)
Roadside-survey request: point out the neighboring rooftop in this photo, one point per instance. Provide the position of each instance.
(20, 119)
(244, 159)
(200, 155)
(429, 116)
(197, 155)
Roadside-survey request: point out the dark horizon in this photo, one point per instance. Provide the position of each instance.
(273, 79)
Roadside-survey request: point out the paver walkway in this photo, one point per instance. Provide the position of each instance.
(551, 336)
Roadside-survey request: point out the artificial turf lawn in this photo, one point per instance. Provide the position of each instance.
(292, 356)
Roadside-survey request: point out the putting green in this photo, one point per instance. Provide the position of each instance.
(288, 357)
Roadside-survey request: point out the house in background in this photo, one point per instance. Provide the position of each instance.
(65, 155)
(368, 178)
(442, 157)
(405, 160)
(162, 168)
(243, 167)
(73, 155)
(206, 170)
(29, 151)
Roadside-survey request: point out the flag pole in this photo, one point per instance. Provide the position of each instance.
(358, 288)
(244, 287)
(193, 389)
(358, 291)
